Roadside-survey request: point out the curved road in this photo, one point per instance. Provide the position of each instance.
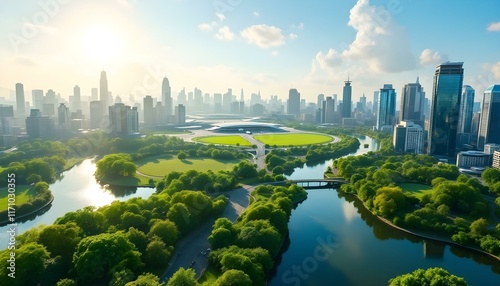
(190, 247)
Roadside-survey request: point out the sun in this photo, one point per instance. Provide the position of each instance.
(102, 43)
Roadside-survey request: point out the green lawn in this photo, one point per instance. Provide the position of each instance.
(224, 140)
(210, 275)
(418, 190)
(23, 195)
(295, 139)
(158, 166)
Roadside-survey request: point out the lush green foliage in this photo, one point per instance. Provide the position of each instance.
(449, 208)
(430, 276)
(115, 165)
(249, 245)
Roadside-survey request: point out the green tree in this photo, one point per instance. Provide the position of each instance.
(97, 256)
(30, 264)
(166, 230)
(157, 254)
(234, 277)
(181, 156)
(431, 276)
(147, 279)
(479, 227)
(61, 239)
(183, 277)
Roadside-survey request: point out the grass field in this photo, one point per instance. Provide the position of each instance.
(224, 140)
(161, 167)
(295, 139)
(23, 194)
(418, 190)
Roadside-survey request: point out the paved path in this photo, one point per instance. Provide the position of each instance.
(191, 246)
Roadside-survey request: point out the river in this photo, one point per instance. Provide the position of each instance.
(334, 240)
(74, 189)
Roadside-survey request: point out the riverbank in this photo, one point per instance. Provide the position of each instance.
(437, 238)
(19, 217)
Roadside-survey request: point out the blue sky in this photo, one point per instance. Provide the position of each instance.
(263, 45)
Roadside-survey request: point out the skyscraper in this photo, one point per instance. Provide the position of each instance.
(375, 103)
(329, 110)
(465, 115)
(37, 98)
(103, 92)
(123, 119)
(166, 97)
(408, 137)
(77, 100)
(346, 99)
(386, 115)
(490, 117)
(180, 114)
(321, 98)
(293, 102)
(446, 91)
(63, 121)
(412, 103)
(149, 112)
(20, 102)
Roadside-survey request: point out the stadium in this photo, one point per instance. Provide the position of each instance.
(247, 127)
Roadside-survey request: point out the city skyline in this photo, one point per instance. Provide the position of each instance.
(241, 46)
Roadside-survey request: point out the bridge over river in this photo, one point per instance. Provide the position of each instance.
(319, 183)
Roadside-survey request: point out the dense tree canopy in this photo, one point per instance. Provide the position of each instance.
(431, 276)
(115, 165)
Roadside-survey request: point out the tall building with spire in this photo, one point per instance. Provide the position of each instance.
(347, 99)
(446, 95)
(166, 97)
(104, 92)
(412, 103)
(20, 101)
(490, 117)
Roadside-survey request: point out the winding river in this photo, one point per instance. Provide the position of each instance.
(334, 240)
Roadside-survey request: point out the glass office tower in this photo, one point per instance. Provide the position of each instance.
(446, 94)
(490, 117)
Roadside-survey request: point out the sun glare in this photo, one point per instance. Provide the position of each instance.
(102, 44)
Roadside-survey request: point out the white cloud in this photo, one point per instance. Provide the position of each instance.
(299, 26)
(264, 36)
(330, 60)
(495, 69)
(220, 16)
(431, 57)
(207, 27)
(494, 27)
(381, 44)
(225, 34)
(256, 14)
(292, 36)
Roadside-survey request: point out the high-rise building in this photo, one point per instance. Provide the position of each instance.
(227, 100)
(490, 117)
(38, 126)
(180, 114)
(96, 114)
(496, 159)
(362, 103)
(63, 118)
(181, 97)
(347, 99)
(104, 92)
(20, 101)
(329, 111)
(149, 112)
(375, 103)
(321, 98)
(166, 97)
(476, 118)
(293, 102)
(465, 116)
(217, 102)
(37, 98)
(77, 100)
(386, 115)
(408, 138)
(123, 119)
(446, 95)
(94, 94)
(412, 103)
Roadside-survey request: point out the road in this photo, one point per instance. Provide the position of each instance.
(190, 247)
